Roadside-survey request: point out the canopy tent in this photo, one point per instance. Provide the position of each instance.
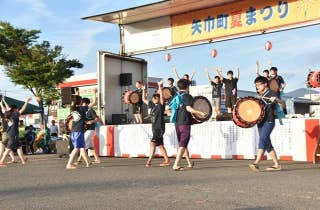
(31, 109)
(178, 23)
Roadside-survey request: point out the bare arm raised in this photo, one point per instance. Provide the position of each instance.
(144, 95)
(24, 107)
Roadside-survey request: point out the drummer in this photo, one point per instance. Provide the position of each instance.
(265, 127)
(158, 124)
(183, 124)
(137, 108)
(281, 82)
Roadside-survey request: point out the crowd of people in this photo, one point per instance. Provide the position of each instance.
(270, 96)
(84, 119)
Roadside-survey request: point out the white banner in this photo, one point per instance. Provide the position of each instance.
(151, 34)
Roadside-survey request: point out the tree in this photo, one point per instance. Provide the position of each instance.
(35, 66)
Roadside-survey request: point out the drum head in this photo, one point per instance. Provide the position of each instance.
(274, 85)
(134, 98)
(166, 93)
(202, 104)
(249, 110)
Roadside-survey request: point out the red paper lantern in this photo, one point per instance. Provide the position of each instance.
(168, 57)
(268, 45)
(214, 53)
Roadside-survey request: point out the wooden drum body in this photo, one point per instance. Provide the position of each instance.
(313, 79)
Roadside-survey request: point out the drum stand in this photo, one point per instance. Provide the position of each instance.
(316, 153)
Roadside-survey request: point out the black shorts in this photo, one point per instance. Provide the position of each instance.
(157, 137)
(230, 101)
(13, 143)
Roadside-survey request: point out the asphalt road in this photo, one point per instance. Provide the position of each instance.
(117, 183)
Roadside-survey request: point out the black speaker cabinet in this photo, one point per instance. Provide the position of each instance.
(119, 119)
(66, 95)
(125, 79)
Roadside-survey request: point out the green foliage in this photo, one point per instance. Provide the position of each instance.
(37, 67)
(14, 42)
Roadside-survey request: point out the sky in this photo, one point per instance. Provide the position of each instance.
(294, 52)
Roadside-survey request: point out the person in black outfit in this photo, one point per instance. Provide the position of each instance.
(231, 89)
(265, 127)
(77, 133)
(158, 124)
(216, 91)
(12, 117)
(137, 108)
(173, 88)
(29, 137)
(183, 124)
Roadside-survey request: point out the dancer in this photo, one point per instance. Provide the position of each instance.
(173, 88)
(91, 119)
(265, 127)
(77, 133)
(216, 91)
(3, 131)
(158, 125)
(137, 108)
(183, 123)
(12, 118)
(265, 72)
(230, 85)
(185, 76)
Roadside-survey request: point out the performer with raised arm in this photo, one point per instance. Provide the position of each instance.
(3, 132)
(231, 90)
(158, 124)
(185, 76)
(12, 118)
(265, 127)
(265, 72)
(216, 91)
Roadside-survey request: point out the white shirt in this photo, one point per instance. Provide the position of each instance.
(54, 129)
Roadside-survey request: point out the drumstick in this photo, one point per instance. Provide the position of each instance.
(268, 98)
(263, 97)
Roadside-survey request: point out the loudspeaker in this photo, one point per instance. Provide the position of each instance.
(66, 95)
(119, 119)
(126, 79)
